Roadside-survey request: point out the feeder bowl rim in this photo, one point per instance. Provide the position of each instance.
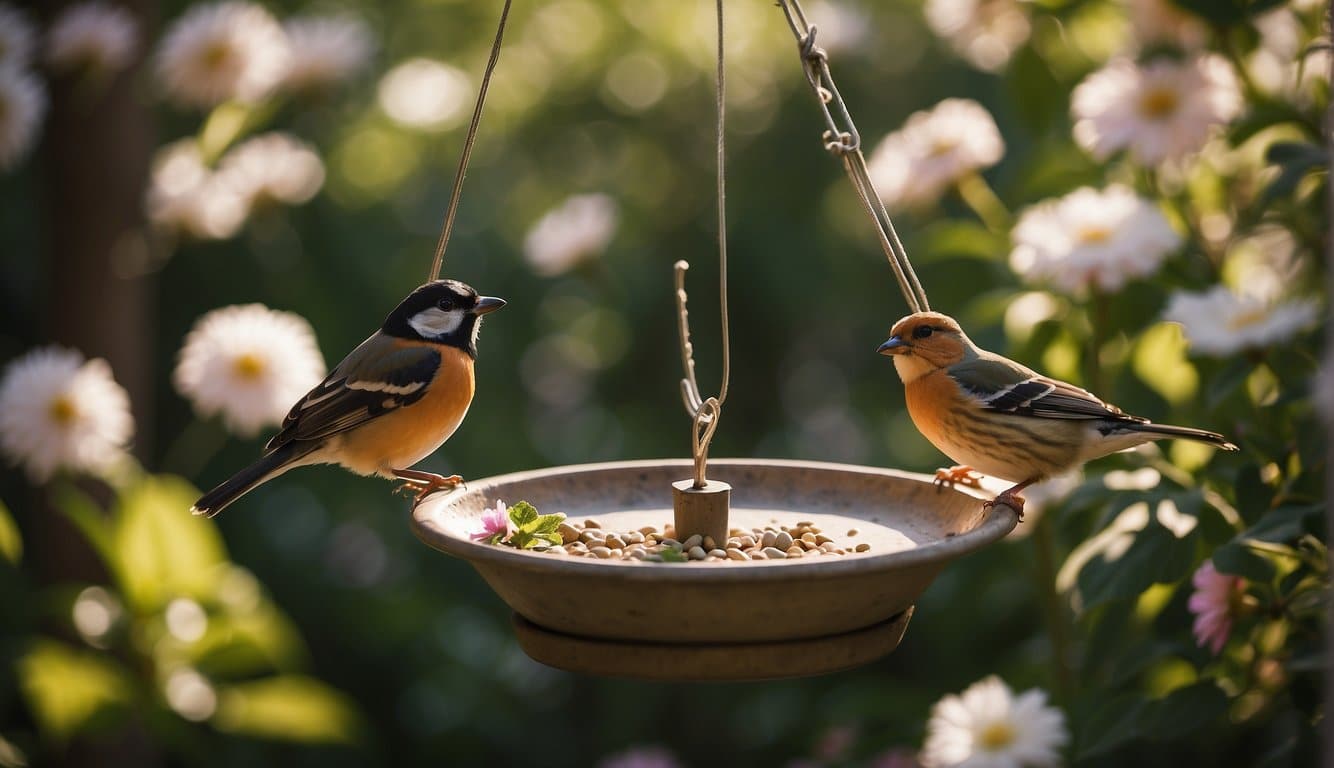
(1000, 521)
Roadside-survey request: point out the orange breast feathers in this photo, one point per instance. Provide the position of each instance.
(931, 399)
(401, 438)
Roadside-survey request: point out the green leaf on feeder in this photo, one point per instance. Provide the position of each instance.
(532, 529)
(522, 515)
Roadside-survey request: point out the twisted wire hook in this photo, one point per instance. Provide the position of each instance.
(842, 139)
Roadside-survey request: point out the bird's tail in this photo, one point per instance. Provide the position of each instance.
(1187, 433)
(267, 467)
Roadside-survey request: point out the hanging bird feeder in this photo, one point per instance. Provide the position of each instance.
(735, 569)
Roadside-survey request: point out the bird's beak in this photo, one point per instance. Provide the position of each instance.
(895, 346)
(487, 304)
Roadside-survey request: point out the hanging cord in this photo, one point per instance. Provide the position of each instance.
(846, 144)
(468, 142)
(706, 413)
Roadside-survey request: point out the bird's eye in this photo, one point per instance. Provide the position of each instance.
(445, 305)
(922, 331)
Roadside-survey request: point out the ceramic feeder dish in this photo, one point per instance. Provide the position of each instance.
(728, 620)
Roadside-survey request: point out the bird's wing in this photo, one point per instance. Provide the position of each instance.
(378, 376)
(999, 384)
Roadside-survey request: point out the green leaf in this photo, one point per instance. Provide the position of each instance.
(1037, 96)
(1283, 525)
(1227, 12)
(1113, 724)
(70, 690)
(161, 550)
(1223, 383)
(1235, 558)
(953, 238)
(11, 542)
(89, 518)
(548, 523)
(1184, 711)
(1155, 555)
(1287, 523)
(288, 708)
(1301, 153)
(522, 514)
(1253, 493)
(1297, 159)
(1129, 719)
(553, 539)
(1263, 114)
(1284, 185)
(243, 645)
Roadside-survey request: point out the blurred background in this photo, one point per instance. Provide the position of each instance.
(309, 627)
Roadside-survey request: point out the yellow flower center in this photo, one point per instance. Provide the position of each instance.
(995, 737)
(942, 146)
(1245, 319)
(1159, 103)
(248, 366)
(62, 411)
(217, 55)
(1094, 235)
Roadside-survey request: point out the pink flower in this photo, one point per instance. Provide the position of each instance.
(1212, 603)
(495, 525)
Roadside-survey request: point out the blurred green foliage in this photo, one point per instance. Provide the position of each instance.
(330, 636)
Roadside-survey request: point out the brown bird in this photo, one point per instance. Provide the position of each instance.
(989, 413)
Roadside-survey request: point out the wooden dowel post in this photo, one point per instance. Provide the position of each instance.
(701, 510)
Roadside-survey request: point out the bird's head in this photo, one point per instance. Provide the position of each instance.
(443, 311)
(924, 341)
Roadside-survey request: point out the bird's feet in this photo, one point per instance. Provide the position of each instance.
(959, 474)
(1011, 499)
(422, 484)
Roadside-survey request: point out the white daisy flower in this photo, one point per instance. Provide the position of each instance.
(222, 51)
(273, 167)
(1285, 62)
(843, 27)
(986, 33)
(58, 411)
(1220, 322)
(17, 37)
(987, 726)
(573, 232)
(94, 36)
(935, 148)
(22, 105)
(186, 196)
(422, 93)
(1092, 239)
(248, 363)
(1158, 111)
(326, 50)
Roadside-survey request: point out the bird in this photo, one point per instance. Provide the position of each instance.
(389, 404)
(990, 414)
